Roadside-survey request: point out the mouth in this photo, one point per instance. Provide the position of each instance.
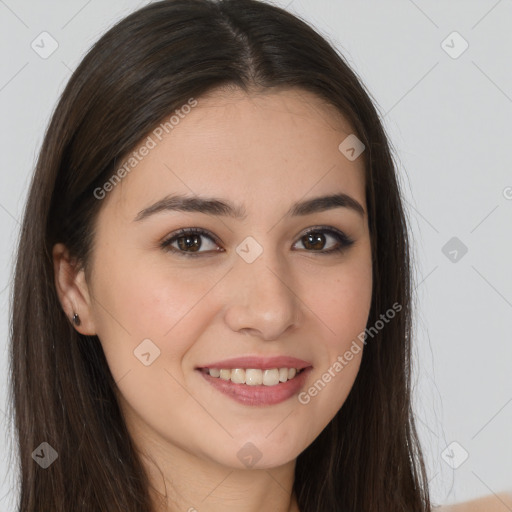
(254, 376)
(257, 381)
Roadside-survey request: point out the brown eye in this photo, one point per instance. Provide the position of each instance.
(192, 242)
(189, 242)
(313, 241)
(316, 239)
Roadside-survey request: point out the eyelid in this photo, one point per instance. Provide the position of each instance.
(166, 243)
(320, 227)
(343, 239)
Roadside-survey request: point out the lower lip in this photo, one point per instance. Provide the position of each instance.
(259, 395)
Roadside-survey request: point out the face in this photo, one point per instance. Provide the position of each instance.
(273, 288)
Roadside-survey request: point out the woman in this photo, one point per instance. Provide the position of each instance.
(218, 315)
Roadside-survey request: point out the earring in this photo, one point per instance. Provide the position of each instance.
(76, 319)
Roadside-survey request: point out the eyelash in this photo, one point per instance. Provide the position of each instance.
(344, 241)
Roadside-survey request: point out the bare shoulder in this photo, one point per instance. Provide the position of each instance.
(501, 502)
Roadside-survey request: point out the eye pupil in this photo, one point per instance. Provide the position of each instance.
(316, 239)
(190, 242)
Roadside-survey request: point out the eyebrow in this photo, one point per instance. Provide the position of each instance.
(223, 207)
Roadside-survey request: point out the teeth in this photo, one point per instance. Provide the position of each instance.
(270, 377)
(237, 376)
(254, 376)
(225, 374)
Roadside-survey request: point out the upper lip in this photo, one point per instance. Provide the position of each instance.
(264, 363)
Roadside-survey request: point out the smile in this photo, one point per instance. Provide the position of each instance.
(253, 391)
(254, 376)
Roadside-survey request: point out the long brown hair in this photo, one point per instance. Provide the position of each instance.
(368, 458)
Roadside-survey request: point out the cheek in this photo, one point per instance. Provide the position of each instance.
(152, 304)
(136, 302)
(343, 308)
(342, 302)
(348, 309)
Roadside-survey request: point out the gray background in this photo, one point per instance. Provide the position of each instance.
(449, 122)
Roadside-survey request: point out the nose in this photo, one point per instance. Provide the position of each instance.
(261, 298)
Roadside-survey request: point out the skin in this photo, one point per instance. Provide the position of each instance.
(501, 502)
(265, 152)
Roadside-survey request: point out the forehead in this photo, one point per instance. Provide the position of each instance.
(280, 145)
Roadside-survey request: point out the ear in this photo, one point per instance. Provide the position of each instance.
(72, 289)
